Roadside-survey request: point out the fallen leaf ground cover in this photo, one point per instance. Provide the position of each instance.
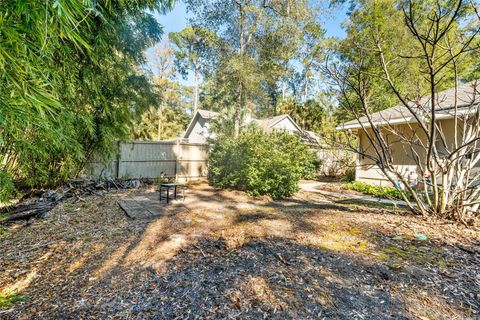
(224, 254)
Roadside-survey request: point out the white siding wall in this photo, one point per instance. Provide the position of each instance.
(285, 124)
(200, 132)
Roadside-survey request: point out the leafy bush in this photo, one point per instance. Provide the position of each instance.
(7, 188)
(260, 163)
(71, 85)
(349, 175)
(377, 191)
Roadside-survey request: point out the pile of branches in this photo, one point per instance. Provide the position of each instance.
(37, 204)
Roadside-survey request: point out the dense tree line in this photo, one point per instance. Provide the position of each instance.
(70, 83)
(252, 55)
(168, 117)
(73, 80)
(269, 57)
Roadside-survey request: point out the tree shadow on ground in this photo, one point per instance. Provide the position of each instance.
(272, 277)
(160, 270)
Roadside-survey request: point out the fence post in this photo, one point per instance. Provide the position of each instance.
(119, 157)
(177, 153)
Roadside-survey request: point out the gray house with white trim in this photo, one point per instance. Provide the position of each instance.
(199, 129)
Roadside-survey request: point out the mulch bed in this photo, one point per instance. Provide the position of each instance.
(80, 264)
(269, 278)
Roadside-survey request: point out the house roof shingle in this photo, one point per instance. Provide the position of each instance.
(265, 124)
(268, 122)
(208, 114)
(262, 123)
(468, 95)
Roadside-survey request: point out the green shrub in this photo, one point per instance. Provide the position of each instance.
(260, 163)
(7, 188)
(377, 191)
(7, 300)
(349, 175)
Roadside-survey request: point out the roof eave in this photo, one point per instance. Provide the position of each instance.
(360, 125)
(189, 127)
(403, 120)
(288, 117)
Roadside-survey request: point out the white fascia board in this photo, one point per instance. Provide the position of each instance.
(376, 123)
(411, 119)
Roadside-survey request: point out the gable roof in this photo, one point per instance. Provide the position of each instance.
(311, 138)
(207, 114)
(468, 95)
(269, 123)
(264, 124)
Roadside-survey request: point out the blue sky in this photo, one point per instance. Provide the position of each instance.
(176, 20)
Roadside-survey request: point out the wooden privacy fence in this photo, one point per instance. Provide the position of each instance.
(185, 161)
(153, 159)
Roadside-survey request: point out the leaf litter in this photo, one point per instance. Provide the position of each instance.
(223, 254)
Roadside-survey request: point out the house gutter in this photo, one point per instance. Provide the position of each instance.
(397, 121)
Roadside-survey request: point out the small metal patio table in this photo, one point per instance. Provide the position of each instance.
(174, 186)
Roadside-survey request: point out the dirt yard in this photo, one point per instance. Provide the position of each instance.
(224, 254)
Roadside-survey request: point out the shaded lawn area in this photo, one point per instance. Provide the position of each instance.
(223, 254)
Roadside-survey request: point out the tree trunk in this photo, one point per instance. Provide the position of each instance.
(305, 88)
(240, 105)
(195, 98)
(159, 127)
(238, 112)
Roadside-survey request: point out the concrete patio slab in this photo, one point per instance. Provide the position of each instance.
(142, 206)
(311, 186)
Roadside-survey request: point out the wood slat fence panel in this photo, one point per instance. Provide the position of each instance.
(153, 159)
(184, 161)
